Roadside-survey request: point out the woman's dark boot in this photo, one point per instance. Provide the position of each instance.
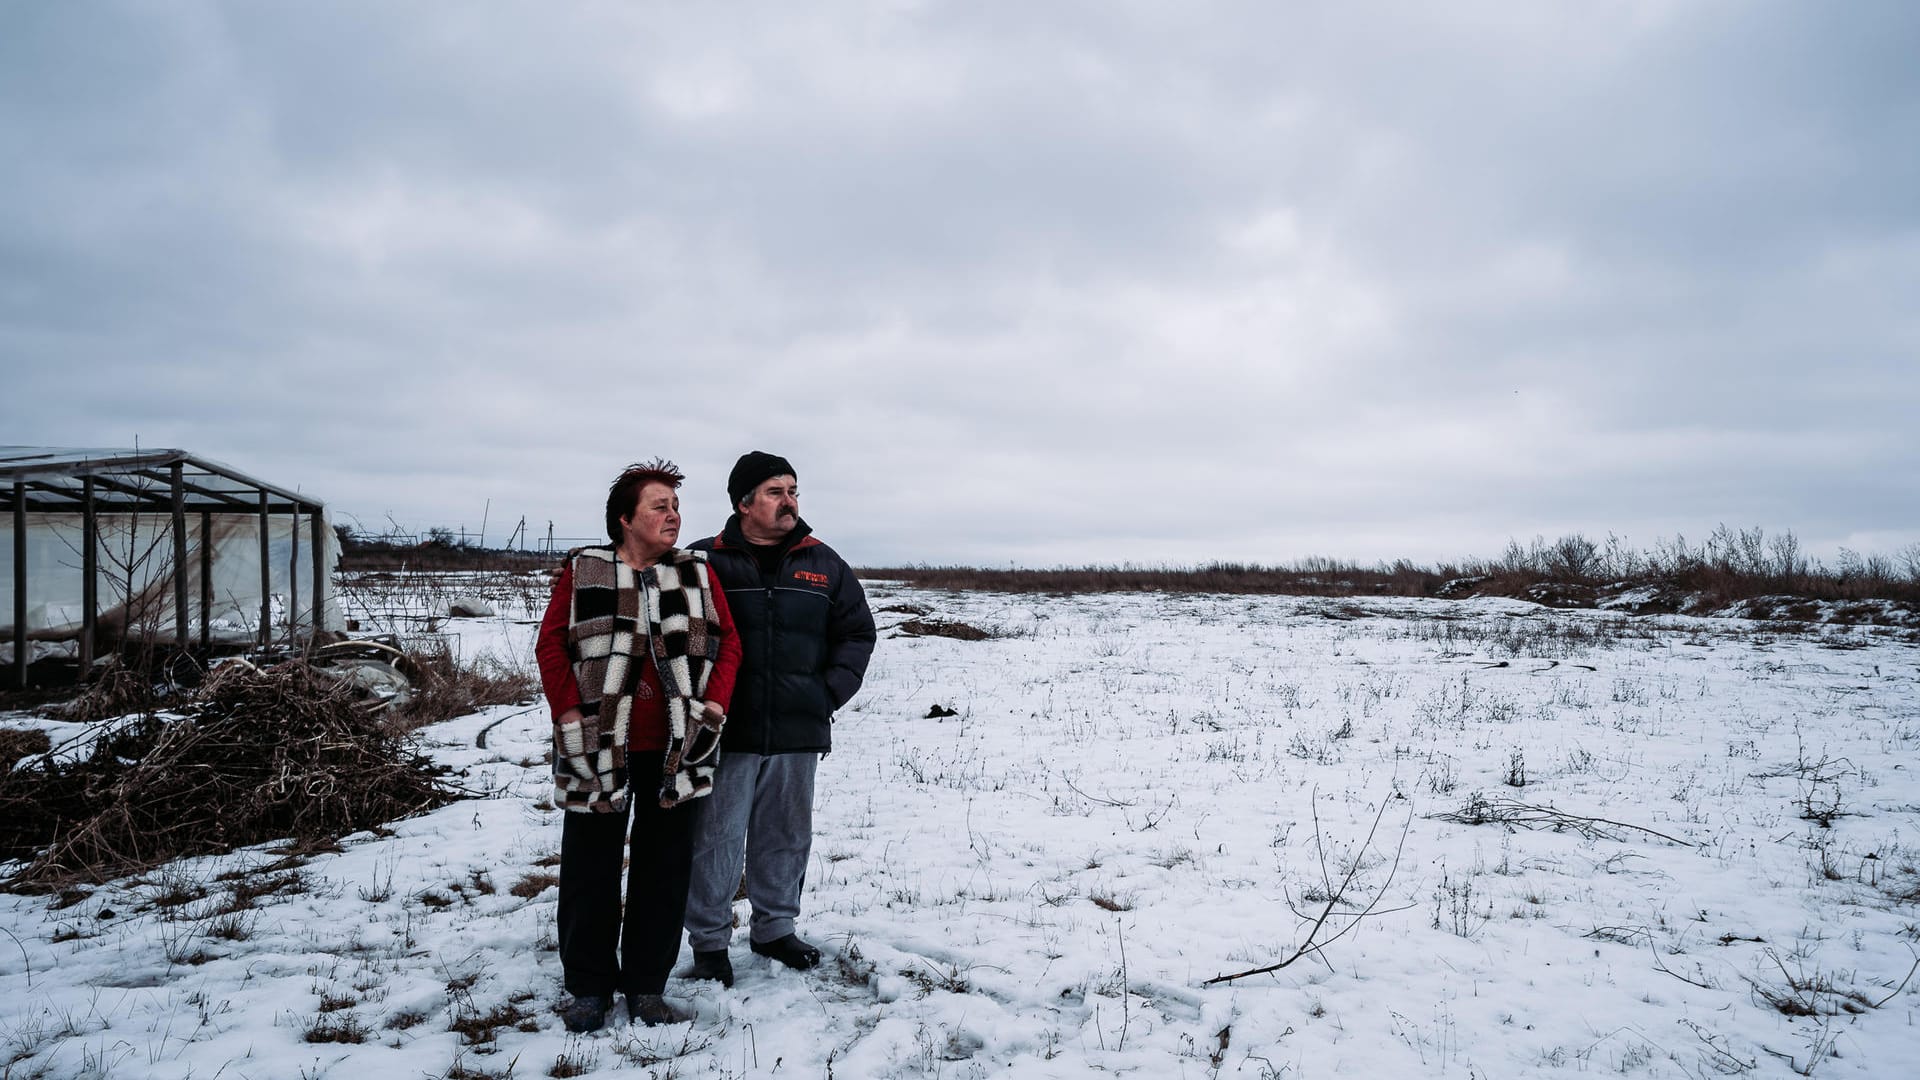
(586, 1012)
(652, 1009)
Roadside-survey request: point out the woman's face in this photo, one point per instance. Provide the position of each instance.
(654, 525)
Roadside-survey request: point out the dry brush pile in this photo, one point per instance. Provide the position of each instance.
(285, 753)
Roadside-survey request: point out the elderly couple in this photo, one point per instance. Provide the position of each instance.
(728, 692)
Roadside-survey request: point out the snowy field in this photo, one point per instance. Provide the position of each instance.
(1137, 794)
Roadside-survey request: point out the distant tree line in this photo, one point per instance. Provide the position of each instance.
(1730, 566)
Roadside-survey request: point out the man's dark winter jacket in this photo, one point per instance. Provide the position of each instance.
(805, 638)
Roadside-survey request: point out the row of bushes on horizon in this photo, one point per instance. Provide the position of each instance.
(1730, 566)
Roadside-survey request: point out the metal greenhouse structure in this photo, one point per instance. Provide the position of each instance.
(161, 547)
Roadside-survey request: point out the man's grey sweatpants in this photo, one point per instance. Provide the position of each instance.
(759, 814)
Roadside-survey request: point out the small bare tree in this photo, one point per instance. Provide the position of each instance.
(1338, 916)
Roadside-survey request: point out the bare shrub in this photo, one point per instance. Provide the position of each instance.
(1346, 907)
(1574, 557)
(446, 688)
(1458, 908)
(117, 689)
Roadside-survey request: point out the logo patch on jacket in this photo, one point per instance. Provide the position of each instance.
(811, 578)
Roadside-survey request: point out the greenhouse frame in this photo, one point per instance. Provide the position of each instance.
(157, 527)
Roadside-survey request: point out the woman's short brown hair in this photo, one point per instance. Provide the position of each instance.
(624, 496)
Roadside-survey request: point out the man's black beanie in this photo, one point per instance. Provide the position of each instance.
(754, 468)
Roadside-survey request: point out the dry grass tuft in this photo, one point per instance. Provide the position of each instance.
(336, 1028)
(477, 1028)
(445, 689)
(532, 885)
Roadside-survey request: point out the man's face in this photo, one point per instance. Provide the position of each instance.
(773, 509)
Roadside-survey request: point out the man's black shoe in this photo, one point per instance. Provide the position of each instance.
(791, 951)
(711, 964)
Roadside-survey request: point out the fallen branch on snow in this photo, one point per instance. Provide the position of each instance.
(1481, 810)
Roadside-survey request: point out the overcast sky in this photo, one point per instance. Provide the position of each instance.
(1054, 283)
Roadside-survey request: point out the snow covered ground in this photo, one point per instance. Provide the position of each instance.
(1138, 793)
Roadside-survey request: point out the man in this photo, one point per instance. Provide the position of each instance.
(806, 635)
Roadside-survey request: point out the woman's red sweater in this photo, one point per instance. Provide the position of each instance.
(647, 728)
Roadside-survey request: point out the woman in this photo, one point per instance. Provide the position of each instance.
(637, 655)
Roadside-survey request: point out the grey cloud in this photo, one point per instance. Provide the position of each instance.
(1083, 283)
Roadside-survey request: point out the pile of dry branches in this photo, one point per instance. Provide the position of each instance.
(255, 756)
